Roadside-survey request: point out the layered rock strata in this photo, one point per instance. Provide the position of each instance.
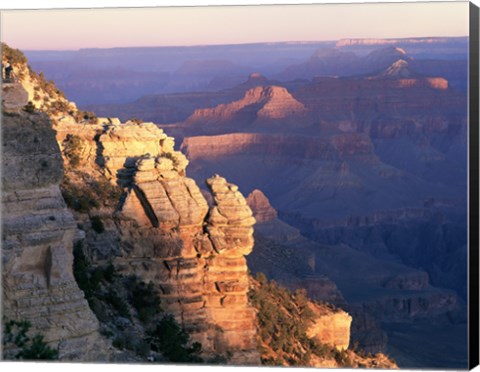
(332, 148)
(38, 233)
(115, 148)
(193, 253)
(261, 207)
(259, 103)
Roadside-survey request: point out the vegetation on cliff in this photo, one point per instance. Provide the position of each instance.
(19, 344)
(13, 56)
(283, 320)
(130, 314)
(43, 94)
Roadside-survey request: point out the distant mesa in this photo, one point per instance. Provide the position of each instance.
(256, 76)
(386, 55)
(278, 102)
(340, 62)
(262, 102)
(371, 42)
(400, 71)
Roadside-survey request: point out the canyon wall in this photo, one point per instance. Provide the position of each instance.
(38, 235)
(275, 145)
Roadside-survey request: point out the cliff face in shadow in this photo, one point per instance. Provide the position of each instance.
(38, 235)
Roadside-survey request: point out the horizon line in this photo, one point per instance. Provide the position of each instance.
(235, 44)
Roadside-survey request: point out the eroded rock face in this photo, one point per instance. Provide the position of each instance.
(193, 253)
(168, 234)
(116, 148)
(330, 327)
(276, 145)
(261, 207)
(122, 145)
(38, 233)
(14, 97)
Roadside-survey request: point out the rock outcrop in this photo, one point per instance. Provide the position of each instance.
(330, 327)
(261, 207)
(14, 97)
(195, 255)
(38, 235)
(406, 78)
(168, 235)
(34, 88)
(121, 146)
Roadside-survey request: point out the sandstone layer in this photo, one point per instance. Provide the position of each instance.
(164, 232)
(331, 327)
(275, 145)
(194, 254)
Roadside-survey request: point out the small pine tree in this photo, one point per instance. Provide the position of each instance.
(15, 337)
(169, 339)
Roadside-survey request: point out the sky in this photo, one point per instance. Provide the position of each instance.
(72, 29)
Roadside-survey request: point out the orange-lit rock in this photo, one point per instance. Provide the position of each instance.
(330, 327)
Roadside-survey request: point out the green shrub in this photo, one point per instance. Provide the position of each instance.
(97, 224)
(59, 107)
(90, 193)
(342, 358)
(15, 336)
(144, 298)
(87, 116)
(91, 279)
(169, 339)
(110, 294)
(283, 319)
(80, 199)
(13, 56)
(72, 149)
(170, 156)
(105, 191)
(29, 107)
(81, 272)
(119, 304)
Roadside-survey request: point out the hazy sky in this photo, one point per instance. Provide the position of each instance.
(74, 29)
